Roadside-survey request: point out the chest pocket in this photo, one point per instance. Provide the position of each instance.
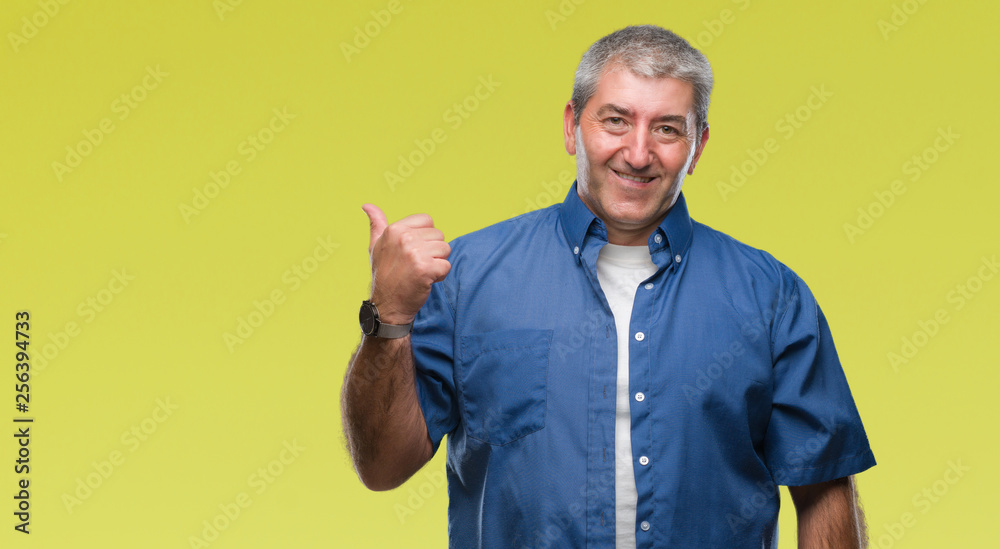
(502, 378)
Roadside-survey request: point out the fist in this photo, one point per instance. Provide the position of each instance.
(407, 257)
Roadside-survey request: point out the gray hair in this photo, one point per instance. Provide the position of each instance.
(649, 51)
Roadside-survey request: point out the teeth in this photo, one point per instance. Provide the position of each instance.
(632, 178)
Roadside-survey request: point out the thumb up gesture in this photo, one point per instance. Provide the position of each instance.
(407, 257)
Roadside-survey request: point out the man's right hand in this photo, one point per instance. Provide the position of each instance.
(407, 257)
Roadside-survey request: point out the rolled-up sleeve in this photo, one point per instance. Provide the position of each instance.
(814, 433)
(433, 356)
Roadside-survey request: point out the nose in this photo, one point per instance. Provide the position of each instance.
(636, 151)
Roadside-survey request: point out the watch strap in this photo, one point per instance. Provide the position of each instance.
(393, 331)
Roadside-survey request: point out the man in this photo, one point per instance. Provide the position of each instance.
(609, 372)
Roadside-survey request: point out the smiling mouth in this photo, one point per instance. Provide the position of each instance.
(635, 178)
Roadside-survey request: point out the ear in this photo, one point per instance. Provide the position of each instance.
(698, 151)
(569, 129)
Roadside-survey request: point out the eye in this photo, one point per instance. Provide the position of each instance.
(615, 121)
(667, 130)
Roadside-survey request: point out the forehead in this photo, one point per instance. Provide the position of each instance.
(653, 97)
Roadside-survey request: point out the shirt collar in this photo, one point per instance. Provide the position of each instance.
(674, 231)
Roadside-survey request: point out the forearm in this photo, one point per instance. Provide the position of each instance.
(383, 423)
(829, 516)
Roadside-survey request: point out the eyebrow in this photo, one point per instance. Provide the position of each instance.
(608, 108)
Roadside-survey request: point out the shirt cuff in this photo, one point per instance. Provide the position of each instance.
(801, 476)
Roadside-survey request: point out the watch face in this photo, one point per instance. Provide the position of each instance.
(367, 318)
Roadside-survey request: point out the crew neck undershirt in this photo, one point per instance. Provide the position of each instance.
(620, 270)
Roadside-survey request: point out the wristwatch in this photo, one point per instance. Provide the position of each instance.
(372, 326)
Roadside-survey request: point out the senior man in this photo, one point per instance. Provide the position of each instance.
(609, 372)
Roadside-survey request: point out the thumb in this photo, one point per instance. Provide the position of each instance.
(377, 223)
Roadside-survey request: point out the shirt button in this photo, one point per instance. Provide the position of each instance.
(639, 336)
(645, 526)
(639, 397)
(657, 239)
(677, 258)
(576, 250)
(643, 460)
(648, 286)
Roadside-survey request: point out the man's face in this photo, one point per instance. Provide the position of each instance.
(634, 145)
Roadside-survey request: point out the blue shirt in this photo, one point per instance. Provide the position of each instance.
(734, 383)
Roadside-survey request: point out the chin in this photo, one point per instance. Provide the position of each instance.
(630, 216)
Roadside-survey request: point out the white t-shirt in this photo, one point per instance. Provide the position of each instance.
(620, 269)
